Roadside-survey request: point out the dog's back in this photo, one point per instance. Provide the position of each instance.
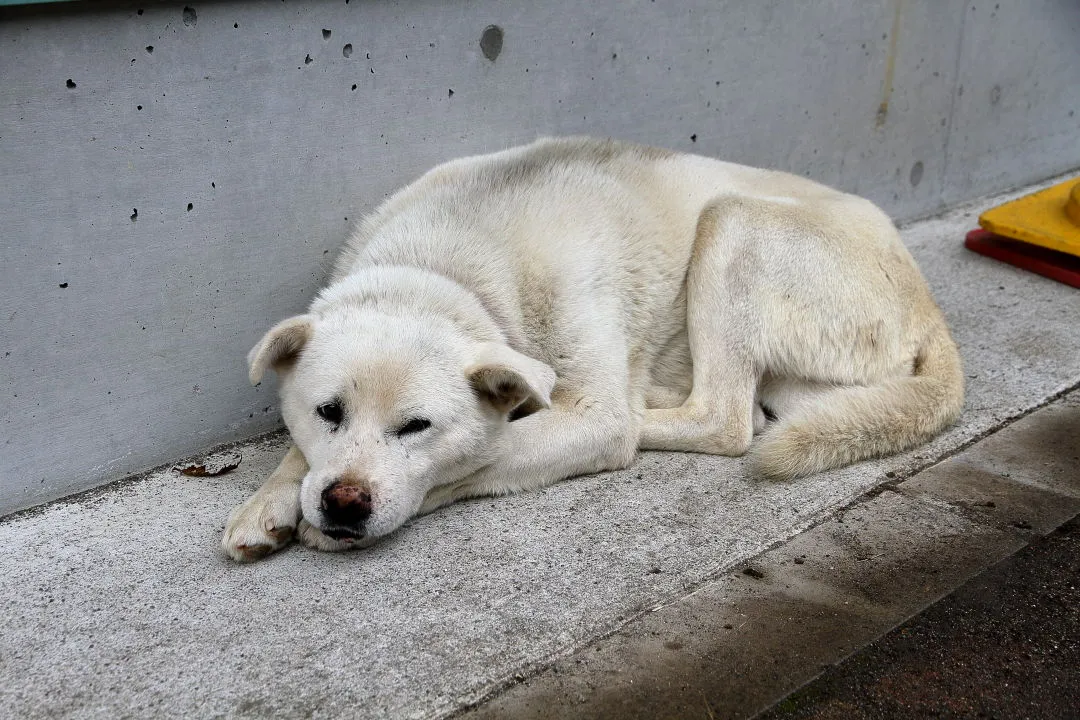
(580, 249)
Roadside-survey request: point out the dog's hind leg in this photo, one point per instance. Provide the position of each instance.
(720, 415)
(266, 521)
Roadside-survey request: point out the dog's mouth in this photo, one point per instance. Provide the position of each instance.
(343, 534)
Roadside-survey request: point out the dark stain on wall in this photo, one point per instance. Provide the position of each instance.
(491, 42)
(916, 173)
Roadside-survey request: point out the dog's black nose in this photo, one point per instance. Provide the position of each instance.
(346, 503)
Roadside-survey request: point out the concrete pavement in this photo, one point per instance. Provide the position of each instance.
(742, 641)
(1006, 645)
(119, 603)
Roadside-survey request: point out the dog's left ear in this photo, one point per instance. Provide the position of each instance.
(507, 379)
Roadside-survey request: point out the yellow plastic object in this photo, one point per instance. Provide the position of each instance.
(1050, 218)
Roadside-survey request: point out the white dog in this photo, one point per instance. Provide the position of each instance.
(514, 319)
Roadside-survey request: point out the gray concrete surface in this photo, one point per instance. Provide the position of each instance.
(1006, 645)
(248, 138)
(119, 603)
(740, 643)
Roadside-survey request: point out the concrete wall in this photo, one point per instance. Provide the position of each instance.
(164, 207)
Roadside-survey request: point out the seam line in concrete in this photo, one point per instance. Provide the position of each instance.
(532, 669)
(945, 155)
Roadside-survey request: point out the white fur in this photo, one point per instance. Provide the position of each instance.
(618, 297)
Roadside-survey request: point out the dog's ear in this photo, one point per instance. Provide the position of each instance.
(279, 346)
(507, 379)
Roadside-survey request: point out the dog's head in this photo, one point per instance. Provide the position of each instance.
(386, 407)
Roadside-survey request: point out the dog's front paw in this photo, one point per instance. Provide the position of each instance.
(311, 536)
(260, 526)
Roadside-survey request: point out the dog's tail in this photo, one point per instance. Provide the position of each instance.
(852, 423)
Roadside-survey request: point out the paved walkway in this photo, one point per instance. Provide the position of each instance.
(1006, 645)
(744, 640)
(118, 603)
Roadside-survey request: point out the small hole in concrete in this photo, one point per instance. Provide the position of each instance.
(63, 285)
(70, 83)
(236, 25)
(139, 11)
(347, 50)
(150, 49)
(134, 214)
(693, 138)
(190, 16)
(491, 42)
(451, 93)
(190, 206)
(138, 107)
(354, 87)
(213, 185)
(307, 60)
(325, 34)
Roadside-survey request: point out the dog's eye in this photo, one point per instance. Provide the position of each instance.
(331, 412)
(413, 426)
